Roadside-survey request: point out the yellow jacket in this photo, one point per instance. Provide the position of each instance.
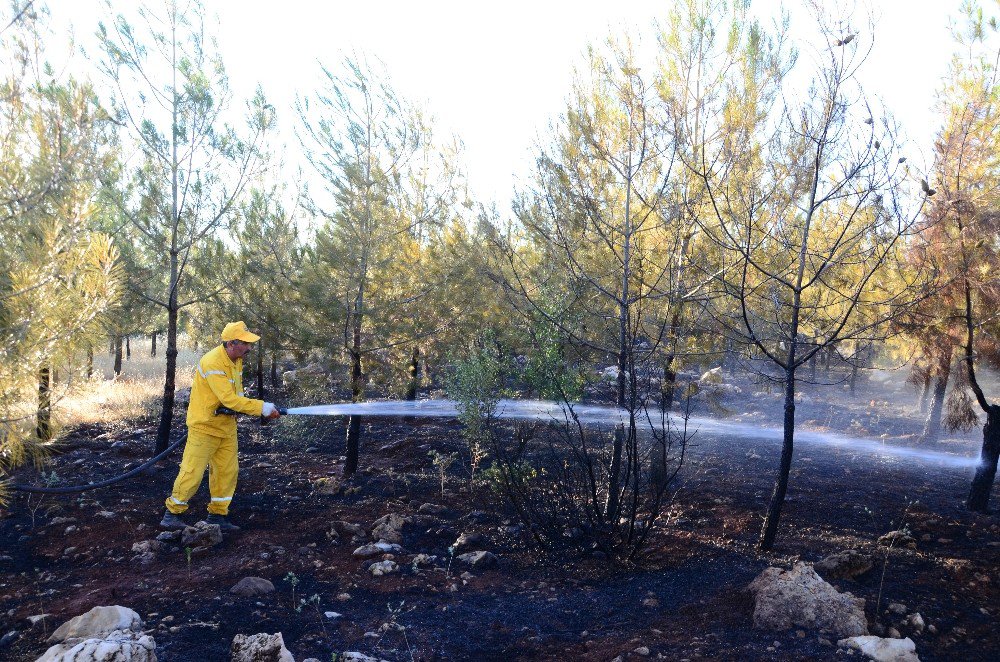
(218, 381)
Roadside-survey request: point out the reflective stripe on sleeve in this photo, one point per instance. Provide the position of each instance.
(210, 372)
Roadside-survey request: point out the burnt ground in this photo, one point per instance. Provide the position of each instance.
(685, 600)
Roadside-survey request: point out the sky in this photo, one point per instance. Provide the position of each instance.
(496, 74)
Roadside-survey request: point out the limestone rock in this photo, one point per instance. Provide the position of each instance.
(389, 528)
(423, 561)
(383, 568)
(469, 541)
(353, 656)
(249, 587)
(376, 549)
(799, 597)
(98, 622)
(713, 376)
(479, 560)
(259, 647)
(844, 565)
(883, 650)
(116, 646)
(202, 534)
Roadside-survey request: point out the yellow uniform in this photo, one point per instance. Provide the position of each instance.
(211, 442)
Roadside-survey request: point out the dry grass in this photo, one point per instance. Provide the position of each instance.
(133, 395)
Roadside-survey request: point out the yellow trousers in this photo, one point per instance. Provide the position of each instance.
(219, 454)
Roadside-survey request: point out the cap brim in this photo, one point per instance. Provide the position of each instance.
(246, 336)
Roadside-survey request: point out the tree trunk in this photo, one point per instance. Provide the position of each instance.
(169, 380)
(925, 391)
(770, 528)
(274, 370)
(669, 383)
(986, 471)
(128, 349)
(932, 426)
(854, 376)
(118, 355)
(90, 360)
(43, 423)
(354, 422)
(414, 373)
(152, 344)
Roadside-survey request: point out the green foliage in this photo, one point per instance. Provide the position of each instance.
(58, 277)
(442, 462)
(476, 384)
(547, 370)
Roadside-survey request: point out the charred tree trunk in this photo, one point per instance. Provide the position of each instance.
(413, 371)
(932, 426)
(274, 370)
(169, 380)
(986, 471)
(90, 360)
(152, 344)
(770, 529)
(118, 355)
(354, 422)
(669, 384)
(128, 348)
(43, 421)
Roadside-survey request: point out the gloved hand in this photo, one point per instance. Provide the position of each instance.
(270, 411)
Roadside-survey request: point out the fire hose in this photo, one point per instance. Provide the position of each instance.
(72, 489)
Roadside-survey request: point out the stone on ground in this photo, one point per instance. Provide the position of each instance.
(883, 650)
(117, 646)
(249, 587)
(259, 647)
(799, 597)
(98, 622)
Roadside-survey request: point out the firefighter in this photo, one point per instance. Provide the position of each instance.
(211, 442)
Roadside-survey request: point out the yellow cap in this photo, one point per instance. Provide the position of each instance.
(238, 331)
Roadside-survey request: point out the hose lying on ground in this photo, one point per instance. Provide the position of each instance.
(71, 489)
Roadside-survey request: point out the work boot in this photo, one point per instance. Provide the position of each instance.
(223, 522)
(171, 521)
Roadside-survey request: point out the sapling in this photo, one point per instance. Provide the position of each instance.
(292, 579)
(442, 461)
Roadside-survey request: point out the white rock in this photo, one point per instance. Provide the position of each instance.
(259, 647)
(713, 376)
(117, 646)
(375, 549)
(383, 568)
(479, 560)
(389, 528)
(353, 656)
(332, 615)
(96, 623)
(799, 597)
(883, 650)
